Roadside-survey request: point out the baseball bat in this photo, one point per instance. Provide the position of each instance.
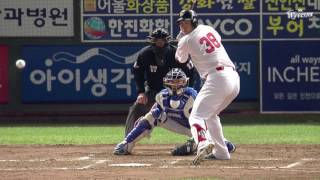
(193, 4)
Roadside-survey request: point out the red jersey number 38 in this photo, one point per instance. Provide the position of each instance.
(211, 42)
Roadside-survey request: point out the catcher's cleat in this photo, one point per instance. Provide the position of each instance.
(121, 149)
(202, 153)
(231, 147)
(185, 149)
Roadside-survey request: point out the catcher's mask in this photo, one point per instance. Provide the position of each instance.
(175, 81)
(159, 33)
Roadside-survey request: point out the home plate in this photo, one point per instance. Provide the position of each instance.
(130, 165)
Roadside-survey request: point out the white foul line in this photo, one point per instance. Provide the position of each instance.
(291, 165)
(297, 163)
(175, 161)
(83, 158)
(267, 159)
(94, 164)
(129, 165)
(40, 160)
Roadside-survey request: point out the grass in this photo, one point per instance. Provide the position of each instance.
(103, 134)
(275, 134)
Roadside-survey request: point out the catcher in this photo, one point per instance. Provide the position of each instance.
(151, 66)
(170, 111)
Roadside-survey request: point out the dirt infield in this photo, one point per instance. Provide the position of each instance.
(155, 162)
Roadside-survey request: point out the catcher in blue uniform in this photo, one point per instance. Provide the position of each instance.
(170, 111)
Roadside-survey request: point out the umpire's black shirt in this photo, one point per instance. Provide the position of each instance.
(153, 64)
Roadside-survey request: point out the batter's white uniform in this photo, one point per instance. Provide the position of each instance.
(222, 83)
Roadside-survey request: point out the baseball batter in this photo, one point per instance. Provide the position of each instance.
(203, 44)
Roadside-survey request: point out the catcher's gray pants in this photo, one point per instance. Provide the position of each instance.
(176, 127)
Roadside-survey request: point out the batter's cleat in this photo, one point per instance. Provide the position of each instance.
(185, 149)
(202, 153)
(121, 149)
(231, 147)
(210, 157)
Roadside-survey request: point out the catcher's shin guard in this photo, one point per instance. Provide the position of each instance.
(123, 148)
(136, 111)
(142, 129)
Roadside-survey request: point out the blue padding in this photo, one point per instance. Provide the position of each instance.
(142, 126)
(156, 112)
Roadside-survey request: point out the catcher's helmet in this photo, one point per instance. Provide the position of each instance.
(175, 81)
(159, 33)
(190, 15)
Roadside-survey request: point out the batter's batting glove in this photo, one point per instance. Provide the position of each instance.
(185, 149)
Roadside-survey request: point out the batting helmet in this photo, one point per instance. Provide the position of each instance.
(159, 33)
(190, 15)
(175, 81)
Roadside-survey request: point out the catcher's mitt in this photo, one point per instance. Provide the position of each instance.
(185, 149)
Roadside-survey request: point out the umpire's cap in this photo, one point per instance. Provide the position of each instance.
(159, 33)
(190, 15)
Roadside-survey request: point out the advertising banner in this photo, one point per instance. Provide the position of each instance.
(288, 20)
(289, 27)
(79, 73)
(36, 18)
(290, 77)
(4, 85)
(85, 74)
(132, 21)
(246, 57)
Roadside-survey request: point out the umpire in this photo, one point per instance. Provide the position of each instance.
(151, 66)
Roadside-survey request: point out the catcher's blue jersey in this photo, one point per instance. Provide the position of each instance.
(177, 108)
